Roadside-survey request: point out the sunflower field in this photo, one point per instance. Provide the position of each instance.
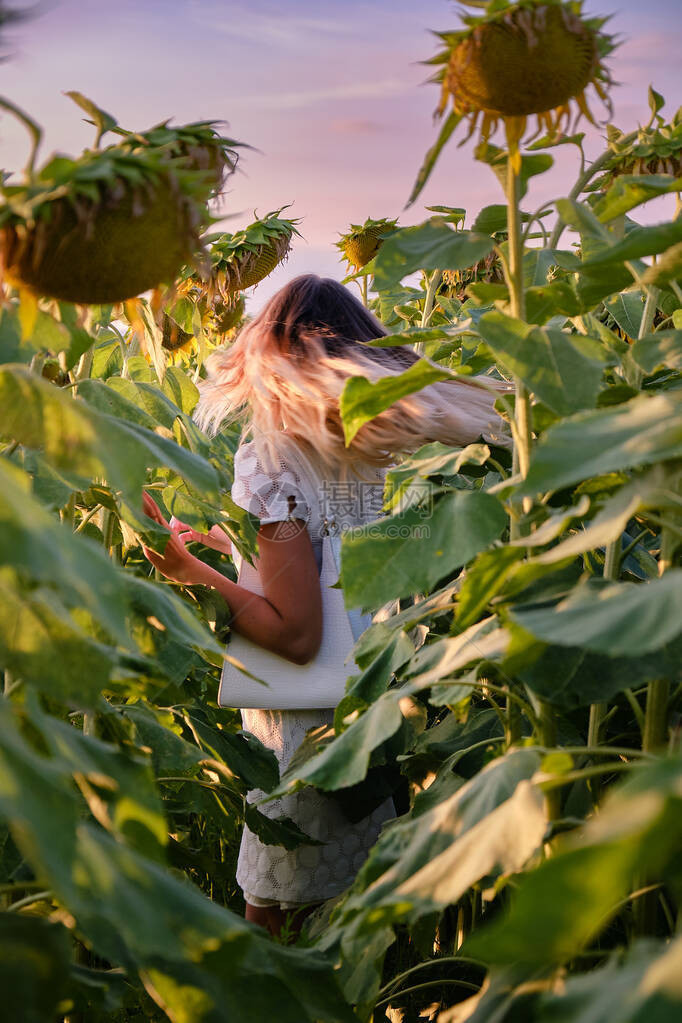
(527, 692)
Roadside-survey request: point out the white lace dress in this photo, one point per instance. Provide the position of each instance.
(270, 874)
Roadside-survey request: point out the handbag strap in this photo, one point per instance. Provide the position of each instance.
(306, 471)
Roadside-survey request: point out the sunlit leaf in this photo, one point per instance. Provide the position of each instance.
(43, 645)
(412, 551)
(563, 370)
(629, 191)
(642, 431)
(619, 619)
(639, 242)
(661, 349)
(71, 432)
(429, 860)
(640, 985)
(43, 550)
(627, 310)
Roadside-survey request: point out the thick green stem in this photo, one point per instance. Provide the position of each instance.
(522, 417)
(513, 268)
(84, 367)
(515, 283)
(645, 327)
(598, 710)
(658, 693)
(548, 738)
(655, 718)
(654, 738)
(649, 313)
(597, 715)
(512, 722)
(612, 560)
(109, 526)
(429, 301)
(363, 288)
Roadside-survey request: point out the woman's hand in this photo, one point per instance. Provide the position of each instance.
(176, 563)
(215, 538)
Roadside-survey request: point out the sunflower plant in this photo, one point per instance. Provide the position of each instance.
(69, 228)
(519, 60)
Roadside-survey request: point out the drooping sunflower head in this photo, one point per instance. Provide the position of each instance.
(362, 242)
(532, 57)
(69, 230)
(69, 227)
(655, 149)
(241, 260)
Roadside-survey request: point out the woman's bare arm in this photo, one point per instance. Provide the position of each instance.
(287, 620)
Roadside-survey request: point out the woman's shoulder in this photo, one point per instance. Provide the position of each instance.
(266, 483)
(275, 461)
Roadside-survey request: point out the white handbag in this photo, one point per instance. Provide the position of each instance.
(319, 684)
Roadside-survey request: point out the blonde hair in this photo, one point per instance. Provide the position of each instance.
(284, 374)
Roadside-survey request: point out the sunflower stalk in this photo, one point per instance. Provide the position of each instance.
(648, 316)
(598, 710)
(429, 302)
(109, 527)
(513, 269)
(514, 275)
(655, 728)
(658, 691)
(430, 299)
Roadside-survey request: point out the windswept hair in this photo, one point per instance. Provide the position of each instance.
(284, 374)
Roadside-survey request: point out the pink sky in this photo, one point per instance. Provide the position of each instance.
(330, 93)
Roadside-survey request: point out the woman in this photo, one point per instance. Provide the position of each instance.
(283, 376)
